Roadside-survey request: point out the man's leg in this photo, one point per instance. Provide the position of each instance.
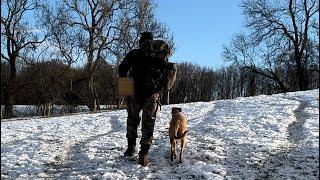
(148, 120)
(133, 120)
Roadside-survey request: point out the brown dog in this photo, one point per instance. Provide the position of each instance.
(177, 131)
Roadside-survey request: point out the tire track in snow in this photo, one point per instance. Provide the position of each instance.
(295, 129)
(288, 158)
(78, 161)
(86, 157)
(207, 145)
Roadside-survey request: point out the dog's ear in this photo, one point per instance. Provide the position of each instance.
(174, 109)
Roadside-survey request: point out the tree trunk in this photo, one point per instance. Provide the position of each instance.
(251, 85)
(302, 82)
(166, 97)
(92, 99)
(120, 103)
(9, 92)
(47, 109)
(8, 102)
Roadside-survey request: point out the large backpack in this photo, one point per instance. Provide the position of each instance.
(159, 74)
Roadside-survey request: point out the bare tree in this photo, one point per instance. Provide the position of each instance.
(264, 60)
(283, 43)
(95, 25)
(19, 37)
(290, 22)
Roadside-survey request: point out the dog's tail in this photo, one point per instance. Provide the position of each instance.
(182, 136)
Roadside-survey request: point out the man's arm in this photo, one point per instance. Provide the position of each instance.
(126, 64)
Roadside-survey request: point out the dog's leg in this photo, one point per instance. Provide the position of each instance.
(173, 148)
(183, 142)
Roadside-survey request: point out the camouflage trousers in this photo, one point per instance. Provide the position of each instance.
(149, 106)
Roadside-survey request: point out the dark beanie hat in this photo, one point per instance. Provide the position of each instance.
(146, 36)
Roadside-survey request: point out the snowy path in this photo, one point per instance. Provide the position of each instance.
(289, 158)
(263, 137)
(296, 128)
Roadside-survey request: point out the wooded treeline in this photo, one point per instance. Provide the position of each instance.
(70, 53)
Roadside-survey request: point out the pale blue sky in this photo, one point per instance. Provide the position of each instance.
(200, 28)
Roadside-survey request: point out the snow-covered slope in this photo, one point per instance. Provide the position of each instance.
(275, 137)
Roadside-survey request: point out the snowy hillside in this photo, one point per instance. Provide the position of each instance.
(275, 137)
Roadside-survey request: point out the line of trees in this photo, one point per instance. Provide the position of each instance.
(48, 83)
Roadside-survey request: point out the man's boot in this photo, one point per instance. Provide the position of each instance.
(143, 155)
(131, 147)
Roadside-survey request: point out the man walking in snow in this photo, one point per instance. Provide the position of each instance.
(147, 97)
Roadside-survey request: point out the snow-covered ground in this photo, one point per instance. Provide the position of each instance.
(263, 137)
